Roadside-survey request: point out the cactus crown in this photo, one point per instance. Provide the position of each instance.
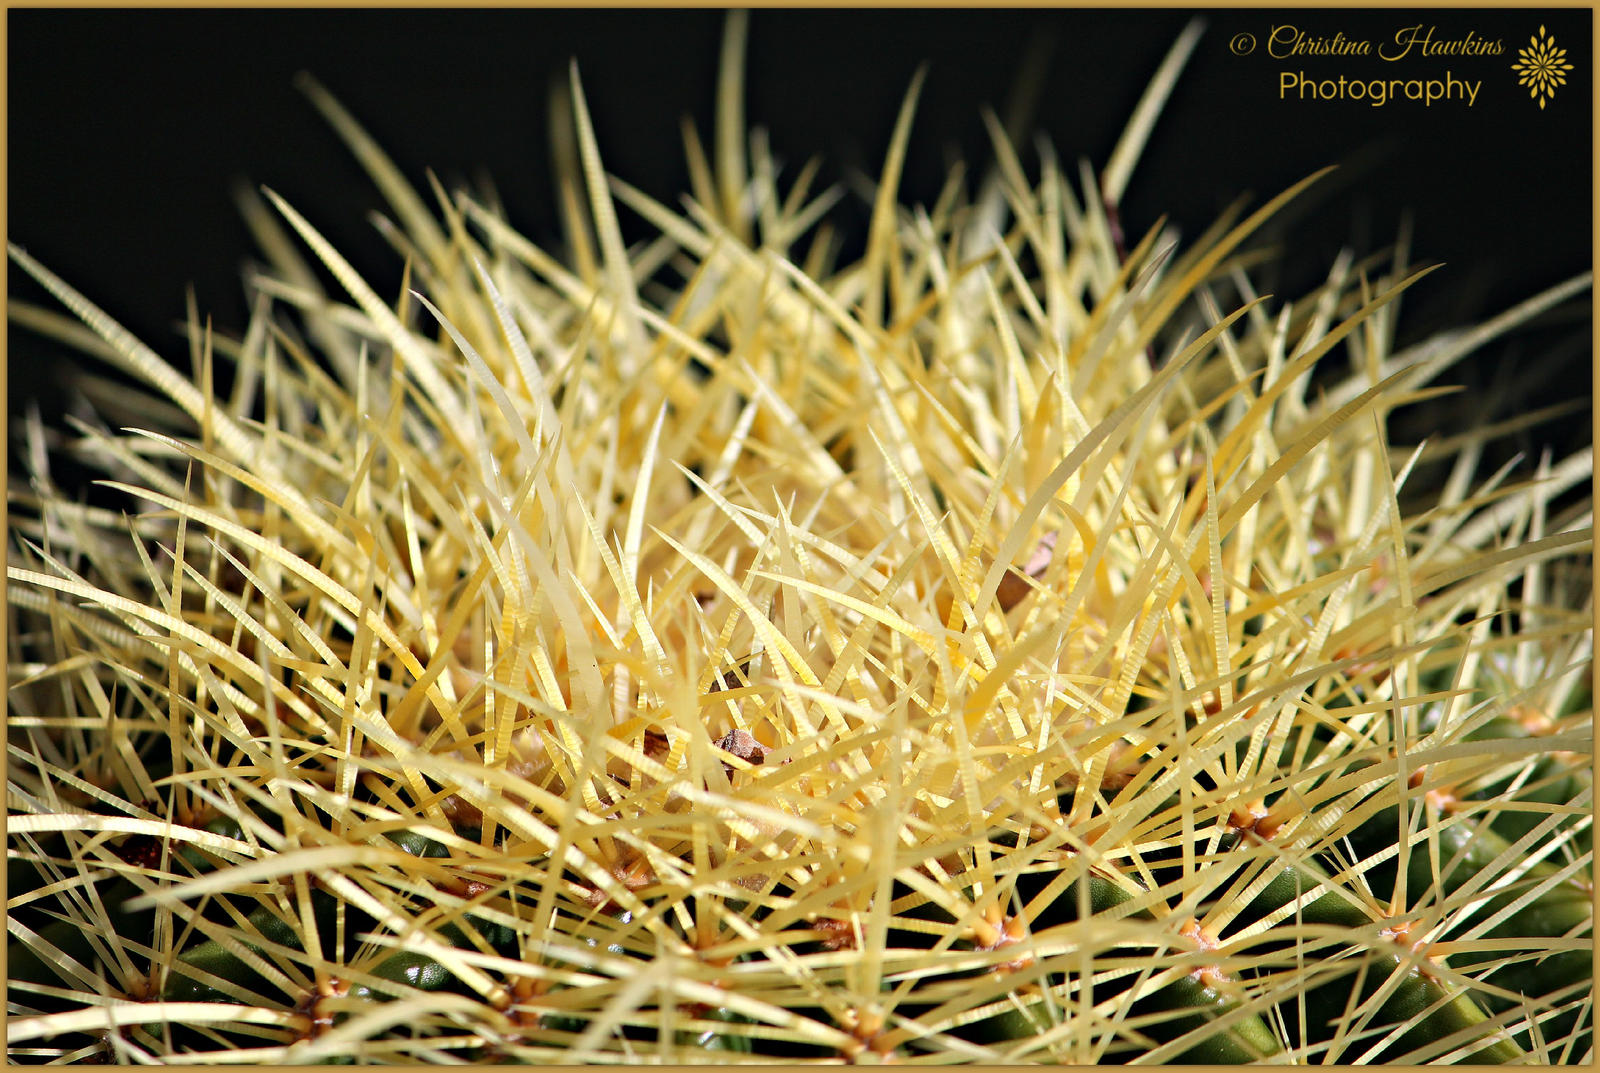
(993, 649)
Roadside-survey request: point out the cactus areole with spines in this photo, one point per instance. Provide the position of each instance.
(1024, 643)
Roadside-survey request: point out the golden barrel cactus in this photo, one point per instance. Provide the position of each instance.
(1020, 644)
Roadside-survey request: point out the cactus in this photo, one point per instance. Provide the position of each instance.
(1018, 645)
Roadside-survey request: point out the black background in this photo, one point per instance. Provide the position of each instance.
(126, 129)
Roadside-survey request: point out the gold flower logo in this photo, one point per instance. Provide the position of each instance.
(1543, 67)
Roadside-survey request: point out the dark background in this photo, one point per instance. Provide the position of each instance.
(126, 129)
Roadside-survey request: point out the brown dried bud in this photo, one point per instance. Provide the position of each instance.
(839, 935)
(656, 744)
(743, 744)
(730, 680)
(141, 851)
(1014, 586)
